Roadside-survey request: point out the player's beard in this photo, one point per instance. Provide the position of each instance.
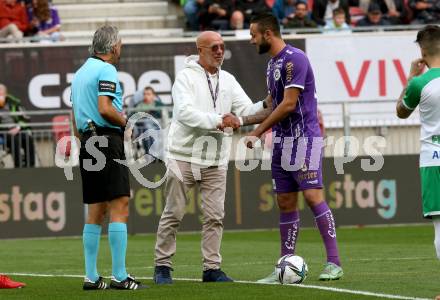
(264, 47)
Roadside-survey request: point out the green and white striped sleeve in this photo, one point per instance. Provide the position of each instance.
(412, 94)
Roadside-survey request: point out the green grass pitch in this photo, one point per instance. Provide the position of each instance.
(388, 262)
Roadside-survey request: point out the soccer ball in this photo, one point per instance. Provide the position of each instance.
(291, 269)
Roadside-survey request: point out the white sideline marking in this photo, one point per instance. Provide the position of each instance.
(270, 263)
(306, 286)
(392, 258)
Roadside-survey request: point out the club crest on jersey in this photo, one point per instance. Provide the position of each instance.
(277, 74)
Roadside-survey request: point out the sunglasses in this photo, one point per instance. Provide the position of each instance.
(215, 48)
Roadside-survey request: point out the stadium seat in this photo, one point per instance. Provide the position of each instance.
(60, 129)
(356, 14)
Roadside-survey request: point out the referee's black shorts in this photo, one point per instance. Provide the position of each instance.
(112, 181)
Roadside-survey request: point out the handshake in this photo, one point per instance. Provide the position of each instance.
(229, 120)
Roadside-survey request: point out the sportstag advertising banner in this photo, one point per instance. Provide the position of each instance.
(362, 67)
(41, 76)
(357, 197)
(44, 203)
(39, 203)
(147, 204)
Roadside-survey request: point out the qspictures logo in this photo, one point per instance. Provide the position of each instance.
(297, 153)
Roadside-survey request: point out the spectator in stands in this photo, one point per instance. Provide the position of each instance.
(374, 17)
(289, 8)
(245, 10)
(322, 11)
(338, 23)
(394, 11)
(191, 8)
(425, 11)
(144, 100)
(150, 100)
(301, 18)
(270, 3)
(13, 19)
(283, 10)
(278, 10)
(26, 3)
(45, 20)
(215, 14)
(18, 135)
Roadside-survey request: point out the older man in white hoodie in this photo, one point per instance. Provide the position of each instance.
(206, 101)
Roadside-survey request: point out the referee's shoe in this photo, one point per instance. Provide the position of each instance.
(129, 283)
(90, 285)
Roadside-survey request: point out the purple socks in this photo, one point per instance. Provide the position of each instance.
(326, 225)
(289, 229)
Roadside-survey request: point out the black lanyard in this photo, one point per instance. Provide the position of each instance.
(213, 95)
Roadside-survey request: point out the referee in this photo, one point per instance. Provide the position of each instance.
(99, 124)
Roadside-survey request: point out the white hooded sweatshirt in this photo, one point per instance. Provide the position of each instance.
(193, 135)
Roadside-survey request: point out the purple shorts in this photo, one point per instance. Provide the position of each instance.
(297, 168)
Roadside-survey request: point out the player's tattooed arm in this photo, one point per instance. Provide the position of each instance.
(261, 115)
(401, 110)
(282, 110)
(417, 68)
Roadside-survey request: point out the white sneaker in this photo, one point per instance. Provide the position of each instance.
(331, 272)
(271, 279)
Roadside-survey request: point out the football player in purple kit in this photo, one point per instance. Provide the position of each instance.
(297, 141)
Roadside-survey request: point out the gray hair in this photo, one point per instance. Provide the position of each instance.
(104, 39)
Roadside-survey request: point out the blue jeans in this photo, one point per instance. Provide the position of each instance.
(191, 10)
(152, 142)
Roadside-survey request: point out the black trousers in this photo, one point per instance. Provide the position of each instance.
(22, 140)
(110, 182)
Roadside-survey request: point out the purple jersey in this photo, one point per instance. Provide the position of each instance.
(53, 21)
(291, 69)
